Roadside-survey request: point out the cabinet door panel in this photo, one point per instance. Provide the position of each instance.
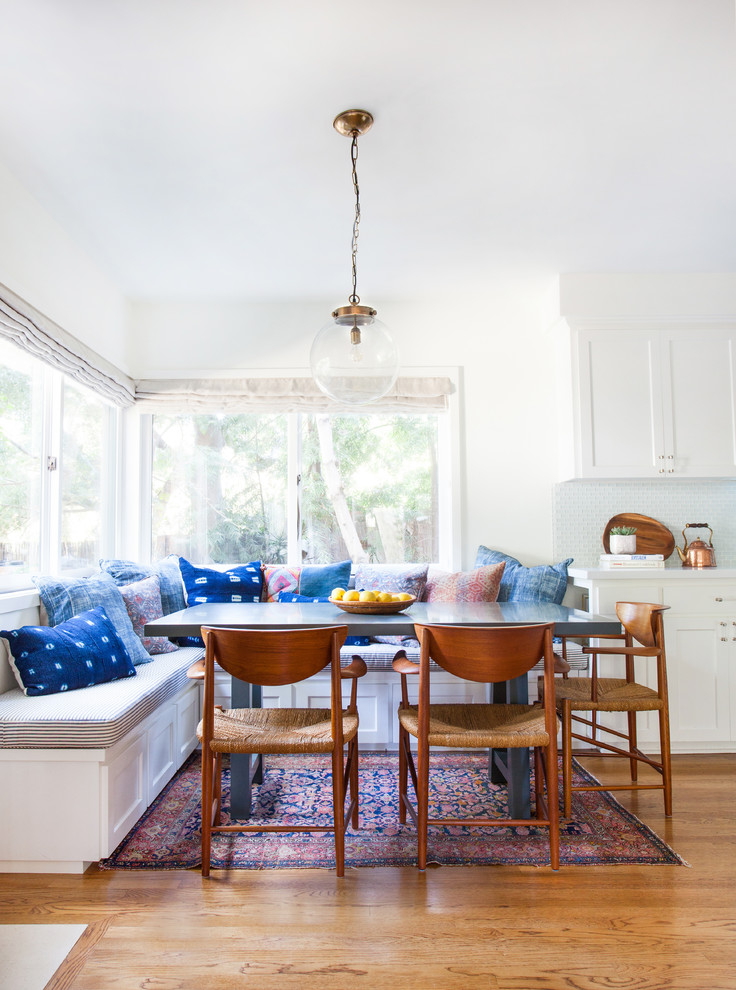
(698, 679)
(701, 435)
(621, 405)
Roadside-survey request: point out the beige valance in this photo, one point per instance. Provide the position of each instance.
(417, 394)
(44, 339)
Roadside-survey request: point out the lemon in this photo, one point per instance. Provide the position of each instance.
(404, 597)
(338, 594)
(384, 596)
(367, 596)
(351, 596)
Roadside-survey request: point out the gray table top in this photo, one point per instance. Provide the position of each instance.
(278, 615)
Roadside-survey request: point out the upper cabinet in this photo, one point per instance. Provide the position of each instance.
(647, 402)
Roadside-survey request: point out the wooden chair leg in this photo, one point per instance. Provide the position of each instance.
(218, 789)
(207, 798)
(538, 782)
(566, 758)
(664, 742)
(353, 751)
(633, 762)
(422, 804)
(553, 808)
(338, 804)
(403, 773)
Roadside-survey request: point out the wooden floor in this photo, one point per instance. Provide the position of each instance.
(510, 928)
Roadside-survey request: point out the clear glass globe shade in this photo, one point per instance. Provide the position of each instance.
(354, 372)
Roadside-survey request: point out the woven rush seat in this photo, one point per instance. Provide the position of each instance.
(614, 695)
(276, 730)
(481, 726)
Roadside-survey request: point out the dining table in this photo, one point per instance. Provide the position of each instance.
(510, 767)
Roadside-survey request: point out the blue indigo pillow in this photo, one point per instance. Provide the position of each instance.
(63, 598)
(241, 583)
(288, 596)
(546, 583)
(75, 654)
(319, 580)
(167, 571)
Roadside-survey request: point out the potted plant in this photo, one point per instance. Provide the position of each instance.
(622, 539)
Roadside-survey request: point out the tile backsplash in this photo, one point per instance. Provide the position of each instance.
(581, 510)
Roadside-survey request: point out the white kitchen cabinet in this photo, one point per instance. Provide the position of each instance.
(700, 639)
(648, 402)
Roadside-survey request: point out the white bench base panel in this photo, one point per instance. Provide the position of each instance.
(64, 809)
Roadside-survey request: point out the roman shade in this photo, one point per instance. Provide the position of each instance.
(38, 335)
(283, 395)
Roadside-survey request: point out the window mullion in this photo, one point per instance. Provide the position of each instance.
(51, 468)
(294, 488)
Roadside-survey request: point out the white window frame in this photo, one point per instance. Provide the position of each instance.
(137, 538)
(51, 453)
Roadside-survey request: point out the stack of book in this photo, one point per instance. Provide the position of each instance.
(632, 560)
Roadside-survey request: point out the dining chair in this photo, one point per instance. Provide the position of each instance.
(277, 657)
(580, 700)
(487, 655)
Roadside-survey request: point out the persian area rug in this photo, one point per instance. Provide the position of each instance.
(298, 788)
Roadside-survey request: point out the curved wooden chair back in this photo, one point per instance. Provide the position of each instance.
(484, 653)
(273, 656)
(640, 620)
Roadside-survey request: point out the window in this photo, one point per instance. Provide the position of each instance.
(299, 488)
(219, 487)
(21, 438)
(83, 476)
(57, 453)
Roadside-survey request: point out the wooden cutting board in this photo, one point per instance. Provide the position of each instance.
(651, 536)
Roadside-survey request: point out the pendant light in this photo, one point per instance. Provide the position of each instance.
(353, 357)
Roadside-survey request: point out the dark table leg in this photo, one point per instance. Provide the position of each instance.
(242, 772)
(511, 766)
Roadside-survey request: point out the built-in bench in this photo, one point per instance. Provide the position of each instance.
(78, 769)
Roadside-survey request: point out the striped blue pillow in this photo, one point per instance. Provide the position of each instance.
(546, 583)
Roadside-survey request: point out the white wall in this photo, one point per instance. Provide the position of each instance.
(44, 266)
(496, 338)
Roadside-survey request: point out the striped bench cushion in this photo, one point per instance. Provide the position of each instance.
(94, 717)
(379, 656)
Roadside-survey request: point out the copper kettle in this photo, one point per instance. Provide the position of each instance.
(698, 553)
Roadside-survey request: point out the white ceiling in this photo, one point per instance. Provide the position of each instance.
(188, 144)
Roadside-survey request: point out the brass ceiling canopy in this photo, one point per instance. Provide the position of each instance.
(351, 122)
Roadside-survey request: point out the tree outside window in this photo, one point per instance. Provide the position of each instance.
(366, 486)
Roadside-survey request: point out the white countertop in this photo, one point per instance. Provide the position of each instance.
(652, 573)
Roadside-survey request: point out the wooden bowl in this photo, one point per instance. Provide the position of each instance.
(373, 608)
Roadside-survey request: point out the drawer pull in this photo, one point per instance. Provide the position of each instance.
(724, 599)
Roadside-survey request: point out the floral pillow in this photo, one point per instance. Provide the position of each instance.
(479, 585)
(143, 602)
(410, 578)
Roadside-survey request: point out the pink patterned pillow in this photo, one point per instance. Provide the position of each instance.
(278, 578)
(480, 585)
(143, 602)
